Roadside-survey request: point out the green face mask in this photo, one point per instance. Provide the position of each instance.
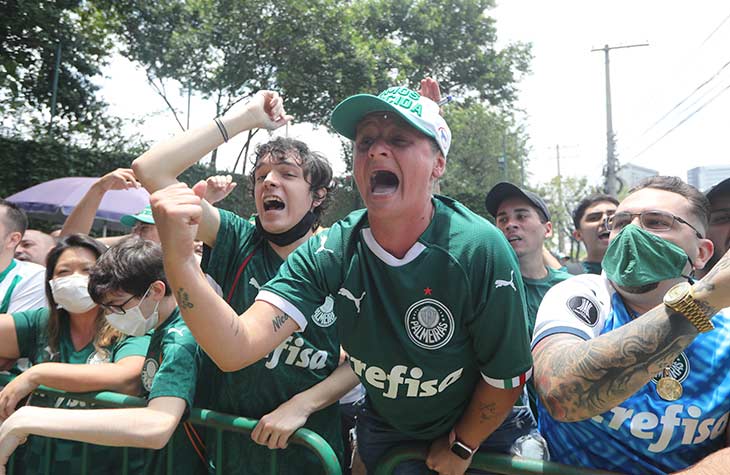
(637, 258)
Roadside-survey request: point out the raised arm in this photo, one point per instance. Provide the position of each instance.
(149, 427)
(231, 342)
(122, 376)
(161, 165)
(579, 379)
(275, 428)
(81, 218)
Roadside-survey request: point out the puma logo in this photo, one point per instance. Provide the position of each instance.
(506, 283)
(254, 283)
(348, 295)
(175, 330)
(322, 240)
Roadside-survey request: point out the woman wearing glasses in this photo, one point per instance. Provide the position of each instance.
(58, 340)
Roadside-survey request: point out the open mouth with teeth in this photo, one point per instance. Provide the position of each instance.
(514, 238)
(604, 234)
(273, 203)
(383, 182)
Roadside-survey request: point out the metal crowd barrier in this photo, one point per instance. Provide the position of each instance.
(200, 417)
(485, 462)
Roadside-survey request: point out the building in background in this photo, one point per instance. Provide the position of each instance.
(630, 175)
(703, 178)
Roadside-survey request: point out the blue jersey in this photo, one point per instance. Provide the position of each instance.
(644, 434)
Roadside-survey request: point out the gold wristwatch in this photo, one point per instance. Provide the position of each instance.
(680, 299)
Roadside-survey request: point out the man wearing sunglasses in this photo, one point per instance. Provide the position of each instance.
(719, 230)
(631, 365)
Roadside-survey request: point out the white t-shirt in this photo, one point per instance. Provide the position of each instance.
(29, 290)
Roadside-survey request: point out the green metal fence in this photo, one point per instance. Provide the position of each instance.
(492, 463)
(200, 417)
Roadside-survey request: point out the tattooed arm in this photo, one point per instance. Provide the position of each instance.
(487, 409)
(231, 342)
(579, 379)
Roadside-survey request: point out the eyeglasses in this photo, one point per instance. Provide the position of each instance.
(720, 216)
(118, 309)
(650, 220)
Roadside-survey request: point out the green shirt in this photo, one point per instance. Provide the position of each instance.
(535, 290)
(170, 370)
(66, 458)
(240, 262)
(420, 330)
(592, 267)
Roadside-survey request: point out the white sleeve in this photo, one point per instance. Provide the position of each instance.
(30, 293)
(577, 306)
(285, 306)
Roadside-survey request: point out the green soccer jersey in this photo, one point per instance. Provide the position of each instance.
(170, 370)
(66, 455)
(535, 290)
(420, 330)
(592, 267)
(241, 262)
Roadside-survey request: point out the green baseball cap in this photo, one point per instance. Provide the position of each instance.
(144, 216)
(419, 111)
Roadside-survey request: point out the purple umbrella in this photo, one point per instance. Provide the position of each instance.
(60, 196)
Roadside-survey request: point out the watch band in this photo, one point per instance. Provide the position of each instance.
(697, 318)
(459, 448)
(688, 307)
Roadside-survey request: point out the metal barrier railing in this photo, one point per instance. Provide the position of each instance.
(491, 463)
(202, 417)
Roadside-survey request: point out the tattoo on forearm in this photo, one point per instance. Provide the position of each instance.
(487, 411)
(278, 321)
(707, 283)
(183, 299)
(578, 380)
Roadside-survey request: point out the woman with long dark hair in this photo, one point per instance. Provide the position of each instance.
(72, 348)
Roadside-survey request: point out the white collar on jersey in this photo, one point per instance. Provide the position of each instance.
(385, 256)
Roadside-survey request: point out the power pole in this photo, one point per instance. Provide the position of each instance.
(611, 185)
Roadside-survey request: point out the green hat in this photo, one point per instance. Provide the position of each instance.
(144, 216)
(419, 111)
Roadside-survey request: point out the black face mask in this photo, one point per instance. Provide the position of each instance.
(287, 237)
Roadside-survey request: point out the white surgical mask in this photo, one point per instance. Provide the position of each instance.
(132, 321)
(72, 293)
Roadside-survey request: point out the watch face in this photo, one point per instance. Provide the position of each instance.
(461, 450)
(676, 293)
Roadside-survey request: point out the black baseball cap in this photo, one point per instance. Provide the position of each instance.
(720, 188)
(502, 191)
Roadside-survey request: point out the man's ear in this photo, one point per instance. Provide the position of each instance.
(548, 230)
(157, 290)
(577, 235)
(13, 239)
(318, 196)
(439, 166)
(705, 250)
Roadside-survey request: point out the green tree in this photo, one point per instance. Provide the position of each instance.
(487, 147)
(316, 52)
(33, 32)
(562, 195)
(453, 41)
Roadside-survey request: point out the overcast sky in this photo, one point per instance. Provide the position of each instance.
(563, 99)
